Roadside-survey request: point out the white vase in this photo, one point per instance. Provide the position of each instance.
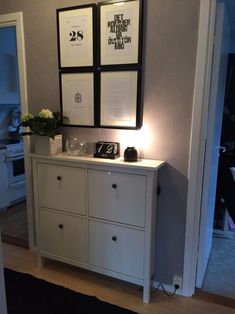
(44, 145)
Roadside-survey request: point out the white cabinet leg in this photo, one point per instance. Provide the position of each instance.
(146, 293)
(40, 261)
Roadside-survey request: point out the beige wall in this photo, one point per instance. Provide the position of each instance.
(170, 52)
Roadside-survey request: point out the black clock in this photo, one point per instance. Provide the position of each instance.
(109, 150)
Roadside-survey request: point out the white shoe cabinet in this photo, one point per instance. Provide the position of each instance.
(97, 214)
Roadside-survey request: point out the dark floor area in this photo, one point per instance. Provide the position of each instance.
(13, 225)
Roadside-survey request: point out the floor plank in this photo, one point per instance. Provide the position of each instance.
(105, 288)
(13, 224)
(215, 298)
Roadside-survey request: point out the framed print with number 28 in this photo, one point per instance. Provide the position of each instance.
(76, 36)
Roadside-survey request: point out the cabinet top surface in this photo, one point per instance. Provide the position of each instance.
(147, 164)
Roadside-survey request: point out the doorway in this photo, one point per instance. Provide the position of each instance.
(214, 273)
(220, 272)
(14, 100)
(197, 211)
(13, 218)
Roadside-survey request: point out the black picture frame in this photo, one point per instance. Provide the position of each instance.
(120, 98)
(78, 98)
(76, 36)
(121, 34)
(106, 92)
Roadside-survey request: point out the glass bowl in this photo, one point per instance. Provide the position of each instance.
(74, 147)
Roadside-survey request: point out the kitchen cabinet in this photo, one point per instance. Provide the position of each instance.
(4, 198)
(9, 98)
(9, 89)
(97, 214)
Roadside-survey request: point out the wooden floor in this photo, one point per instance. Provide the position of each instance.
(215, 298)
(13, 225)
(107, 289)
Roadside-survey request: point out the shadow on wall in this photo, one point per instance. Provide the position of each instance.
(171, 216)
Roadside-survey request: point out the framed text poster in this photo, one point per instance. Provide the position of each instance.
(120, 29)
(77, 98)
(120, 99)
(76, 27)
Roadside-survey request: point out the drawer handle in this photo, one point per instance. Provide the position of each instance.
(114, 238)
(114, 185)
(59, 178)
(61, 226)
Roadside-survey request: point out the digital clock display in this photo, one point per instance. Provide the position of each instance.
(107, 150)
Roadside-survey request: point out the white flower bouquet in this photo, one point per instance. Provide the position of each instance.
(47, 123)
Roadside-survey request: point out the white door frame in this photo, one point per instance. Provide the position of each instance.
(198, 141)
(214, 124)
(16, 19)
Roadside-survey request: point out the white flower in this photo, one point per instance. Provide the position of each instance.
(46, 114)
(26, 117)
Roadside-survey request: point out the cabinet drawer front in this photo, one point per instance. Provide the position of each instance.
(116, 248)
(63, 235)
(117, 197)
(62, 188)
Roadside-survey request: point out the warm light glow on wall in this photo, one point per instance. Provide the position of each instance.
(145, 137)
(141, 139)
